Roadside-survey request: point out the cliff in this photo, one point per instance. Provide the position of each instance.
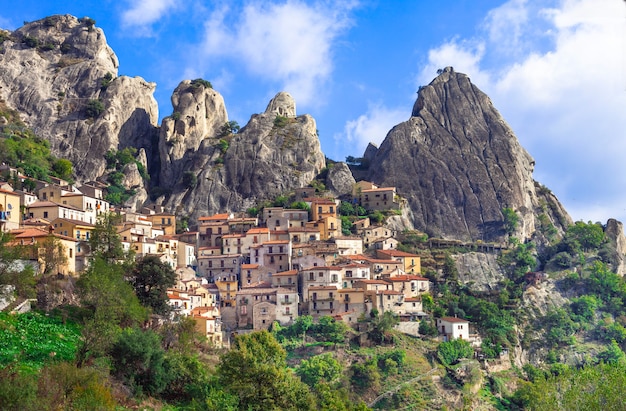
(459, 165)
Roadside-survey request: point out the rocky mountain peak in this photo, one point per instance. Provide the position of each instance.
(61, 76)
(199, 113)
(282, 105)
(459, 165)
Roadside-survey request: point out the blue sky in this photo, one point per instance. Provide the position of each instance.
(555, 69)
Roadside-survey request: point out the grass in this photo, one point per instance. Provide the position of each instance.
(33, 339)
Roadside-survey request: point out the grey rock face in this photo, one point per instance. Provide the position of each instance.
(282, 105)
(52, 84)
(339, 180)
(234, 171)
(614, 231)
(459, 164)
(199, 114)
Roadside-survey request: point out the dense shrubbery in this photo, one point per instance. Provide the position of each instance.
(21, 148)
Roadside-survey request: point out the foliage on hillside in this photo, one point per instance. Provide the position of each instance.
(21, 148)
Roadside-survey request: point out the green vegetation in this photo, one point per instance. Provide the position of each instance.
(151, 278)
(199, 83)
(450, 352)
(22, 149)
(94, 108)
(280, 121)
(106, 81)
(33, 339)
(31, 42)
(116, 160)
(511, 220)
(190, 179)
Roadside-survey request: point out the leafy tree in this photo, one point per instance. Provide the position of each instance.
(346, 209)
(138, 358)
(11, 272)
(589, 236)
(382, 326)
(590, 388)
(255, 371)
(329, 329)
(111, 303)
(450, 352)
(201, 83)
(105, 242)
(365, 376)
(346, 225)
(151, 278)
(427, 328)
(52, 254)
(63, 168)
(319, 368)
(230, 127)
(300, 205)
(613, 354)
(511, 220)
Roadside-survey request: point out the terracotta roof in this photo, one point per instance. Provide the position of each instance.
(407, 277)
(244, 266)
(453, 320)
(323, 287)
(77, 222)
(370, 190)
(223, 216)
(258, 230)
(272, 242)
(252, 291)
(41, 204)
(285, 273)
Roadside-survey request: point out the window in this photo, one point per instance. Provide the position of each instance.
(45, 214)
(311, 276)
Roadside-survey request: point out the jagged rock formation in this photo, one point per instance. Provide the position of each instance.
(459, 164)
(199, 113)
(614, 232)
(51, 70)
(271, 155)
(339, 181)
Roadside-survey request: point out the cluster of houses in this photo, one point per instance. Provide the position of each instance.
(241, 272)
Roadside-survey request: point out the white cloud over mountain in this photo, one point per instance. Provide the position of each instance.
(288, 43)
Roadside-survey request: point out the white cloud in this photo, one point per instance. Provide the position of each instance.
(143, 13)
(289, 43)
(371, 127)
(564, 96)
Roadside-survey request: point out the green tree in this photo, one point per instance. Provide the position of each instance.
(11, 270)
(589, 236)
(449, 352)
(255, 370)
(105, 242)
(138, 358)
(382, 326)
(151, 278)
(319, 368)
(111, 304)
(63, 168)
(52, 255)
(511, 220)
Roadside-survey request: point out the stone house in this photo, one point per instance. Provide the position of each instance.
(453, 328)
(10, 214)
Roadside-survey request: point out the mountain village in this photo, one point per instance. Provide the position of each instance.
(237, 273)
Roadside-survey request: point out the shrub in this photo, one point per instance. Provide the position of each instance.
(200, 83)
(190, 179)
(450, 352)
(94, 108)
(31, 42)
(105, 81)
(176, 115)
(47, 47)
(280, 121)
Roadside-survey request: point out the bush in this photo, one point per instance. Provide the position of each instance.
(94, 108)
(280, 121)
(105, 81)
(450, 352)
(31, 42)
(200, 83)
(190, 179)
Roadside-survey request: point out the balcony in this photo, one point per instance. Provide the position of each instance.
(288, 302)
(318, 299)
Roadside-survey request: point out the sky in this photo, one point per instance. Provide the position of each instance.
(554, 69)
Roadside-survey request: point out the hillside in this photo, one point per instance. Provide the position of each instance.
(544, 297)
